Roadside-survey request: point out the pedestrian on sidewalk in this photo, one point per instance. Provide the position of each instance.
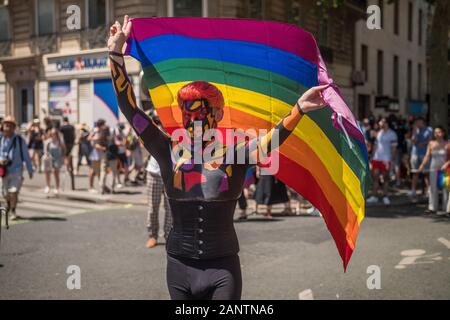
(422, 135)
(112, 163)
(136, 162)
(155, 191)
(120, 140)
(13, 153)
(383, 158)
(54, 151)
(84, 146)
(98, 139)
(36, 143)
(270, 191)
(68, 132)
(438, 151)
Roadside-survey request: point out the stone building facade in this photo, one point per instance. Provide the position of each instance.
(48, 69)
(391, 63)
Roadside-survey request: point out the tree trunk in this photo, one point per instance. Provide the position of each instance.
(439, 70)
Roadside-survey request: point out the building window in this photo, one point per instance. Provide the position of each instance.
(365, 61)
(409, 80)
(396, 17)
(187, 8)
(4, 24)
(381, 6)
(45, 17)
(380, 73)
(323, 33)
(97, 13)
(395, 76)
(420, 26)
(410, 21)
(256, 9)
(419, 82)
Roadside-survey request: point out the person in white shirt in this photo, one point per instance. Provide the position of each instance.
(155, 190)
(383, 158)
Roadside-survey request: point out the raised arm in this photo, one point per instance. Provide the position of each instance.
(311, 100)
(154, 140)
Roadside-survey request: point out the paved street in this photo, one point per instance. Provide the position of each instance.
(287, 258)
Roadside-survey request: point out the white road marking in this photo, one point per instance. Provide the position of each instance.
(445, 242)
(306, 295)
(412, 257)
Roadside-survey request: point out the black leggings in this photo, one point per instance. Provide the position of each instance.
(214, 279)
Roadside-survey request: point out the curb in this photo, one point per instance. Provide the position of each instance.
(94, 198)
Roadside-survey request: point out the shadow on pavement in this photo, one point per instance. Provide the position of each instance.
(43, 218)
(127, 192)
(404, 212)
(258, 220)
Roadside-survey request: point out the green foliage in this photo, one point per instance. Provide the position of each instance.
(328, 4)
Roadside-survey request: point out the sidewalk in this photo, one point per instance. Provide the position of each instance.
(137, 195)
(126, 195)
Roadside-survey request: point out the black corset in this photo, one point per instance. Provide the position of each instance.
(202, 229)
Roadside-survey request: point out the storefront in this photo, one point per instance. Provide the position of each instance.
(79, 87)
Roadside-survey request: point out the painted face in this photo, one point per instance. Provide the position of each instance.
(197, 110)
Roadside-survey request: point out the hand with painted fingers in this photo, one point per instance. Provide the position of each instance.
(312, 99)
(118, 35)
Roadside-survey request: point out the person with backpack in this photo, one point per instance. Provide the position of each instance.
(13, 153)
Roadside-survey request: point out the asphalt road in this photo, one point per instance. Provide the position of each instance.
(287, 258)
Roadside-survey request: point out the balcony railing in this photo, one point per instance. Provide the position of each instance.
(5, 48)
(43, 44)
(94, 38)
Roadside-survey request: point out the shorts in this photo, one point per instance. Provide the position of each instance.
(12, 183)
(416, 161)
(37, 145)
(382, 166)
(136, 155)
(69, 148)
(50, 163)
(123, 159)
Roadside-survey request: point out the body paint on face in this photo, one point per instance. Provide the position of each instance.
(197, 111)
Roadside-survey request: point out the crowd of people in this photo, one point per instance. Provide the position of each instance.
(410, 154)
(50, 146)
(105, 150)
(403, 153)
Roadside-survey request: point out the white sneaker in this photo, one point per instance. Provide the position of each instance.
(47, 190)
(119, 186)
(316, 213)
(93, 191)
(56, 191)
(386, 201)
(372, 199)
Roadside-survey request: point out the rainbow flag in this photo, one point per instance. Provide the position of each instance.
(262, 68)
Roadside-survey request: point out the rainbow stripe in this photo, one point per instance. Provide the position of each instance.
(262, 68)
(443, 179)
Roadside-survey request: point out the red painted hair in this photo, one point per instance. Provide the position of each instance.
(201, 90)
